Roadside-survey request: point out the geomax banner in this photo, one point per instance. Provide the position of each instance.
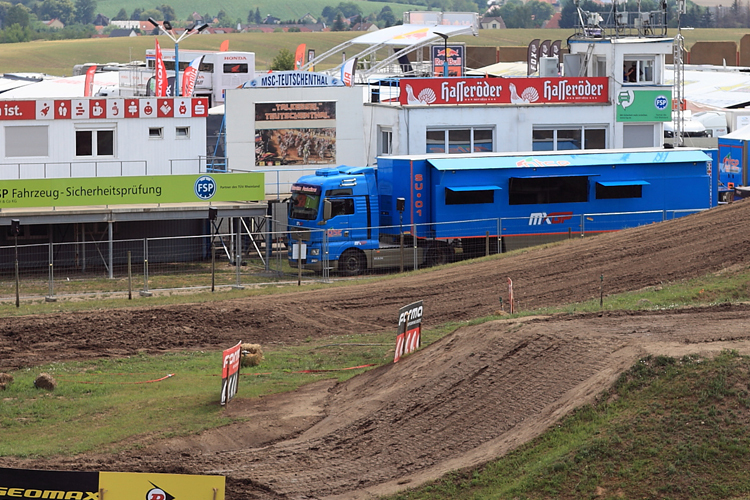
(574, 90)
(70, 192)
(409, 336)
(95, 108)
(63, 485)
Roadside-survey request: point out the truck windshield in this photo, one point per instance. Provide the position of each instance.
(304, 206)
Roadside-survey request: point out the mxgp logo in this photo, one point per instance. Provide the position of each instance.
(539, 218)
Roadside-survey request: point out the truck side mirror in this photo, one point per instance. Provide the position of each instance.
(400, 204)
(327, 210)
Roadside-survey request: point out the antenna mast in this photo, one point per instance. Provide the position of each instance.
(679, 79)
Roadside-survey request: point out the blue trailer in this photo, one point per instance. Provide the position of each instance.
(457, 203)
(733, 158)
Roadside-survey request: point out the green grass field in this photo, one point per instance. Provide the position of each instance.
(282, 9)
(58, 58)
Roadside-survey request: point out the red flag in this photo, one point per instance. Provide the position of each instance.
(189, 76)
(88, 84)
(224, 46)
(299, 56)
(161, 73)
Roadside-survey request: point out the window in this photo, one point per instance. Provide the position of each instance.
(470, 195)
(600, 66)
(155, 132)
(638, 70)
(182, 132)
(538, 190)
(95, 142)
(385, 142)
(342, 207)
(26, 141)
(619, 190)
(470, 140)
(568, 137)
(235, 68)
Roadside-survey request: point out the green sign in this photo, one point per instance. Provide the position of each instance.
(644, 105)
(71, 192)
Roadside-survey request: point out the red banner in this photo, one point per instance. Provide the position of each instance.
(299, 56)
(88, 84)
(161, 73)
(574, 90)
(189, 76)
(230, 372)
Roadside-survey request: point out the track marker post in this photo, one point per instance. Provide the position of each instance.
(511, 301)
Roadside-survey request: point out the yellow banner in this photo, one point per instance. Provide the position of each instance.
(140, 486)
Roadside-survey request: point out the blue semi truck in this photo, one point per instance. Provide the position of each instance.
(352, 219)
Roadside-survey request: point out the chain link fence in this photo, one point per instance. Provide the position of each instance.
(253, 256)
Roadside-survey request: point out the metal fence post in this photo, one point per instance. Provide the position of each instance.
(238, 252)
(110, 245)
(51, 296)
(415, 253)
(499, 236)
(269, 242)
(145, 292)
(324, 259)
(130, 279)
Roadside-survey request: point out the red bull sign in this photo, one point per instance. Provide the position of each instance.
(455, 56)
(554, 90)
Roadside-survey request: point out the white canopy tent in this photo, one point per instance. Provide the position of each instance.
(403, 39)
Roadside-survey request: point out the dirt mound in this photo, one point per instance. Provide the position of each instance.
(464, 400)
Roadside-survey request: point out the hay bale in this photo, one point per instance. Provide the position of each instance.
(252, 355)
(45, 381)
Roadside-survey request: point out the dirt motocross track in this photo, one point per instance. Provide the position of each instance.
(466, 399)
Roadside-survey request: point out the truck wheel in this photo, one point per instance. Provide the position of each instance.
(352, 262)
(437, 256)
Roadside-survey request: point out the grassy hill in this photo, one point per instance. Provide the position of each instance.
(283, 9)
(58, 58)
(669, 428)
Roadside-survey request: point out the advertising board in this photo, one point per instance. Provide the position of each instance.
(230, 372)
(553, 90)
(409, 336)
(644, 105)
(27, 483)
(295, 133)
(73, 192)
(103, 108)
(456, 59)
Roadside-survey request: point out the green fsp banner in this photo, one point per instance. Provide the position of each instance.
(644, 105)
(72, 192)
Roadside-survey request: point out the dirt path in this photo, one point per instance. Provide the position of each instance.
(464, 400)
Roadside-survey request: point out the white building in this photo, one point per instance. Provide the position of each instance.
(99, 137)
(600, 109)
